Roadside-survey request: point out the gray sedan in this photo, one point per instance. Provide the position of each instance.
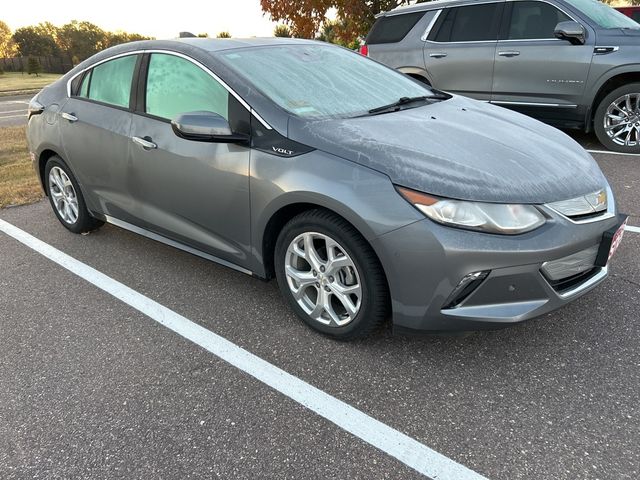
(365, 193)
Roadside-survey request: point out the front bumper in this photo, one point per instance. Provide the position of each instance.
(425, 262)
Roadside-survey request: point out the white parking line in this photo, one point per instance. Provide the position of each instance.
(632, 229)
(7, 102)
(14, 111)
(396, 444)
(12, 116)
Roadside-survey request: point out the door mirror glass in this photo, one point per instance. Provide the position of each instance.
(205, 127)
(572, 31)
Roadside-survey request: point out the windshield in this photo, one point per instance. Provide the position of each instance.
(315, 81)
(603, 15)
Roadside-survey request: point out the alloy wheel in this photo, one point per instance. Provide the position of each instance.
(323, 279)
(63, 195)
(622, 120)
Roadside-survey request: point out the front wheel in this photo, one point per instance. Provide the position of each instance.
(617, 119)
(330, 275)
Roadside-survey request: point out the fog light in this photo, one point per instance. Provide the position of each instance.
(465, 288)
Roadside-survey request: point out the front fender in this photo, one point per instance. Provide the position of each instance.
(364, 197)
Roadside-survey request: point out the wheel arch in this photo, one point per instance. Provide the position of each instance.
(417, 73)
(609, 83)
(43, 158)
(280, 214)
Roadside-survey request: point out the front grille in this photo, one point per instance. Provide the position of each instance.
(571, 265)
(584, 207)
(566, 284)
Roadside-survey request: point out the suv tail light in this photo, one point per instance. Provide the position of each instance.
(364, 50)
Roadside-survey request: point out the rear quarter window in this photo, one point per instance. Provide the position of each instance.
(393, 28)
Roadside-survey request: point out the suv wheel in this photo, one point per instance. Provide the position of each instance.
(617, 119)
(330, 276)
(66, 199)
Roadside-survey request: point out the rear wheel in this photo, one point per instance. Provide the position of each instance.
(330, 275)
(617, 119)
(66, 198)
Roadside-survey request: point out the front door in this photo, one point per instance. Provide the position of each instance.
(460, 48)
(534, 71)
(193, 192)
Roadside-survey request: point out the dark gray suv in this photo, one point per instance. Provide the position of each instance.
(569, 63)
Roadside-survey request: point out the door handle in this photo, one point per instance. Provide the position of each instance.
(438, 55)
(144, 143)
(69, 116)
(509, 53)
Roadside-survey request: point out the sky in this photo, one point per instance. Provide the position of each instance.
(160, 19)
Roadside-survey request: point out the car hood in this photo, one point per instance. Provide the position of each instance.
(463, 149)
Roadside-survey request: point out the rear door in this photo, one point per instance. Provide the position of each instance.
(196, 193)
(460, 49)
(95, 125)
(535, 72)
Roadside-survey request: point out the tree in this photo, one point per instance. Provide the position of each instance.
(8, 48)
(306, 17)
(80, 40)
(282, 31)
(223, 35)
(203, 35)
(32, 41)
(33, 66)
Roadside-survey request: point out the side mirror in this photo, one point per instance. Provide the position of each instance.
(205, 127)
(572, 31)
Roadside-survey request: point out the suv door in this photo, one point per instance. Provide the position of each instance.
(535, 72)
(94, 127)
(196, 193)
(459, 50)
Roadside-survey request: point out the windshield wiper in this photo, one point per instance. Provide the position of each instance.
(397, 105)
(392, 107)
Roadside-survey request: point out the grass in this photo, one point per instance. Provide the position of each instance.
(19, 184)
(15, 81)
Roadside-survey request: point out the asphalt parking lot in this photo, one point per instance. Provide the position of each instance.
(92, 388)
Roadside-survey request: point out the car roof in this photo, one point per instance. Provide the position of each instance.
(219, 44)
(420, 7)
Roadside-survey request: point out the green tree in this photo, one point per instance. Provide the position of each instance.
(8, 47)
(203, 35)
(223, 35)
(282, 31)
(80, 40)
(32, 41)
(33, 66)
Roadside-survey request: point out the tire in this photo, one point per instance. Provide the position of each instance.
(351, 294)
(600, 117)
(66, 198)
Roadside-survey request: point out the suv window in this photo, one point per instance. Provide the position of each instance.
(393, 28)
(534, 20)
(110, 82)
(473, 23)
(175, 86)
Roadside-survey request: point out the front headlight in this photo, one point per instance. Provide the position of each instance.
(509, 219)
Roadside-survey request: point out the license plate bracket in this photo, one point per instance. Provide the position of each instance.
(610, 241)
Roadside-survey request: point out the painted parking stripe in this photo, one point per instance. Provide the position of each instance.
(23, 110)
(632, 229)
(396, 444)
(12, 116)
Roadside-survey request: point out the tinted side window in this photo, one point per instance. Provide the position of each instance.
(175, 86)
(111, 81)
(84, 87)
(474, 23)
(533, 20)
(393, 28)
